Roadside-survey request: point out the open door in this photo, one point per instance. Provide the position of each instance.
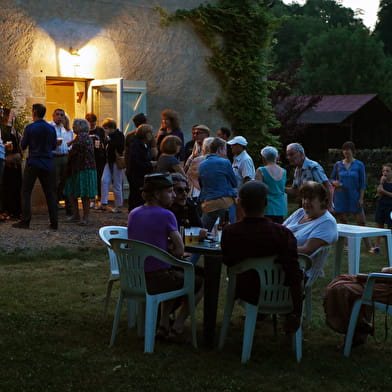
(117, 98)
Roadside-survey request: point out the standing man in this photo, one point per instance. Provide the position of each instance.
(225, 133)
(244, 170)
(40, 137)
(305, 170)
(60, 154)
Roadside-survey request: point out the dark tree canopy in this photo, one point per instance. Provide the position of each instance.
(383, 29)
(345, 61)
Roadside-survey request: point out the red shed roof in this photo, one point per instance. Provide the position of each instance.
(334, 108)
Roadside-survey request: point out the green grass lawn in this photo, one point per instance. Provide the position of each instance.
(53, 338)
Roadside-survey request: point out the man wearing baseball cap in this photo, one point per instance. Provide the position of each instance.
(243, 166)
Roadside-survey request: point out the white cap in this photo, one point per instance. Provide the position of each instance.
(238, 140)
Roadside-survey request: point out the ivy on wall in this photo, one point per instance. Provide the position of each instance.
(239, 34)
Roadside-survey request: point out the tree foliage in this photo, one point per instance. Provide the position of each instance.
(383, 29)
(345, 61)
(238, 34)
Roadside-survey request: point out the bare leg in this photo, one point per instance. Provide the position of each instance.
(178, 325)
(377, 239)
(75, 207)
(361, 221)
(86, 208)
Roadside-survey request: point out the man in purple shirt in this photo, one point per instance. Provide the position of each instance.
(41, 139)
(155, 224)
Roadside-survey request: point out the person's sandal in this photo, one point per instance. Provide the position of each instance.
(176, 337)
(161, 333)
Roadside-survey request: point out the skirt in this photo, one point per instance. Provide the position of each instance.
(82, 184)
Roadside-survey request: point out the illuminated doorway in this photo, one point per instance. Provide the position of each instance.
(68, 94)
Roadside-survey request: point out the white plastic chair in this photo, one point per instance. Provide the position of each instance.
(314, 269)
(366, 299)
(274, 298)
(106, 233)
(131, 255)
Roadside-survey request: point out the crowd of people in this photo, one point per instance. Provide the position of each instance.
(174, 185)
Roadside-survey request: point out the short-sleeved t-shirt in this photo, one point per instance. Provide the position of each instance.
(152, 224)
(323, 228)
(166, 163)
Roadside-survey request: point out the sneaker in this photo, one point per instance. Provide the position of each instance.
(92, 204)
(21, 225)
(102, 207)
(375, 250)
(116, 210)
(72, 219)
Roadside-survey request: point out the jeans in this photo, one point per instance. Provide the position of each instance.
(47, 180)
(115, 176)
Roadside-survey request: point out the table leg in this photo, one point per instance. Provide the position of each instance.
(354, 253)
(388, 240)
(212, 272)
(338, 256)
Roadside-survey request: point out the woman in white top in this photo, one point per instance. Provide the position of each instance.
(312, 225)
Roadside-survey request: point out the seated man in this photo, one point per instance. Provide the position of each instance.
(256, 236)
(155, 224)
(183, 207)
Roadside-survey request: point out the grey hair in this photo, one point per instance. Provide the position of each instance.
(205, 148)
(297, 147)
(80, 125)
(269, 153)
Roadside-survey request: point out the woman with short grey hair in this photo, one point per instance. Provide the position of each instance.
(274, 177)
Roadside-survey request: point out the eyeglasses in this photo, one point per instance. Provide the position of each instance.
(198, 133)
(181, 190)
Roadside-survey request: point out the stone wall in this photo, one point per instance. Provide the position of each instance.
(127, 40)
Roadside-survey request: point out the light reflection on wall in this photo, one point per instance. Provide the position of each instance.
(80, 64)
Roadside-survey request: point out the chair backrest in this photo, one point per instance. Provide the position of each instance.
(318, 259)
(367, 296)
(131, 255)
(274, 297)
(106, 233)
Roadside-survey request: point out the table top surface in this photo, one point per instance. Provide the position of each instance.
(204, 247)
(360, 230)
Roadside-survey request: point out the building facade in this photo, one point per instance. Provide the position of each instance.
(112, 57)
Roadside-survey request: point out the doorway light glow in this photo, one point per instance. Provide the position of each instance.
(80, 65)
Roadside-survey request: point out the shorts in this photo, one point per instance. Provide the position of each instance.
(383, 214)
(168, 280)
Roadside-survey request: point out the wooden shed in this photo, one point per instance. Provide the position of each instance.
(334, 119)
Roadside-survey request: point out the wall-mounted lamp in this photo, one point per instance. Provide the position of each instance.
(73, 52)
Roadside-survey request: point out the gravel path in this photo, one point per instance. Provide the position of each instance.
(68, 234)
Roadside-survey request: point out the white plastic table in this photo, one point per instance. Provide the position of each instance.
(354, 234)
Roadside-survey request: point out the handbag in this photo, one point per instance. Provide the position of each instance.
(120, 161)
(13, 160)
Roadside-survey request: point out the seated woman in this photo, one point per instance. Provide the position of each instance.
(167, 162)
(312, 225)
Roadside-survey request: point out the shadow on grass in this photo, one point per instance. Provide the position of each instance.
(20, 255)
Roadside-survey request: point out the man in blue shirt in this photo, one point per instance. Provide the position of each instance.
(41, 139)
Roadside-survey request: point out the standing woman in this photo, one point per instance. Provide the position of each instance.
(139, 163)
(112, 174)
(275, 178)
(12, 175)
(170, 125)
(82, 176)
(349, 180)
(97, 134)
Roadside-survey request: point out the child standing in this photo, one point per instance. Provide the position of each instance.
(384, 205)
